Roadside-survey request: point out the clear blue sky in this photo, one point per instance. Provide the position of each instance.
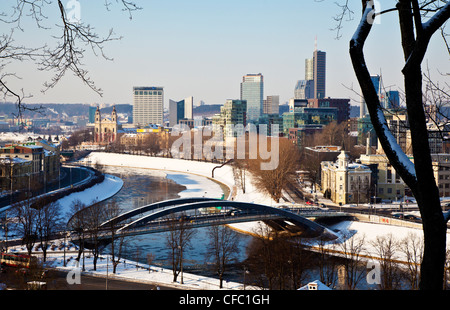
(202, 48)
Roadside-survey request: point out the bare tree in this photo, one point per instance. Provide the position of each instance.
(62, 54)
(386, 248)
(412, 247)
(48, 224)
(274, 181)
(328, 263)
(152, 144)
(223, 247)
(239, 173)
(25, 222)
(178, 239)
(276, 260)
(95, 216)
(112, 210)
(418, 22)
(352, 250)
(78, 225)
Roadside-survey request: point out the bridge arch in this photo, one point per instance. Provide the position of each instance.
(154, 206)
(192, 205)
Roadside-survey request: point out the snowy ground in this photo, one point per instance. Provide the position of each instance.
(196, 176)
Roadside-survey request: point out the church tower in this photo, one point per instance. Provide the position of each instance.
(98, 126)
(114, 115)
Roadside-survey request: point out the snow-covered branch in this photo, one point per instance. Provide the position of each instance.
(423, 38)
(396, 156)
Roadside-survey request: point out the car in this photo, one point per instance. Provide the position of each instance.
(397, 215)
(411, 217)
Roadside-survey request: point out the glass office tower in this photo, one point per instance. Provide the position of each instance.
(252, 90)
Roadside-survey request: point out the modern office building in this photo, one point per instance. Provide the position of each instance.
(232, 113)
(376, 80)
(304, 89)
(92, 111)
(343, 106)
(148, 106)
(391, 99)
(271, 105)
(179, 110)
(252, 91)
(320, 62)
(309, 69)
(315, 73)
(304, 116)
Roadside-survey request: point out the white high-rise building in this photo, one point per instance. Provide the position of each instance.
(148, 106)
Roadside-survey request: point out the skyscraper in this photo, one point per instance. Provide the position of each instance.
(376, 80)
(179, 110)
(320, 62)
(148, 105)
(309, 69)
(271, 105)
(252, 90)
(232, 113)
(304, 89)
(314, 85)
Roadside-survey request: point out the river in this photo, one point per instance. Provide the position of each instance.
(145, 186)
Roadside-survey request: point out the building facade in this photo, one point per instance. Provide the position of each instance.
(342, 105)
(148, 106)
(232, 120)
(388, 185)
(252, 91)
(106, 129)
(345, 182)
(26, 165)
(271, 105)
(179, 110)
(320, 62)
(304, 89)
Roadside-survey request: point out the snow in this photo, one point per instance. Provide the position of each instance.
(99, 192)
(177, 169)
(197, 177)
(142, 273)
(402, 157)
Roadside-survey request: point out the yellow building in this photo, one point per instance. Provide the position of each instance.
(345, 182)
(388, 185)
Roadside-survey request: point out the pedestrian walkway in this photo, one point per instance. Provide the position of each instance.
(136, 272)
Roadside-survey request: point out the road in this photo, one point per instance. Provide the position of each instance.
(100, 283)
(57, 280)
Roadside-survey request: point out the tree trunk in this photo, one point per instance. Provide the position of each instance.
(419, 177)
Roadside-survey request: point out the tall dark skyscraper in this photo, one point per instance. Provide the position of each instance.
(320, 63)
(314, 85)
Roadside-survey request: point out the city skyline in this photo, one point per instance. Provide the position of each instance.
(199, 50)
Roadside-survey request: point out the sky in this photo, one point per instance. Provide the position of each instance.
(202, 48)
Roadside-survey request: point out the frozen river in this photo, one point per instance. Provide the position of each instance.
(145, 186)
